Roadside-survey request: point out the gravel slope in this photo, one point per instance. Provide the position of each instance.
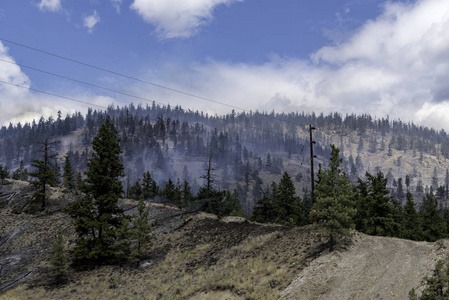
(372, 268)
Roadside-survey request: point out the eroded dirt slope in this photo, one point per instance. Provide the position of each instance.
(371, 268)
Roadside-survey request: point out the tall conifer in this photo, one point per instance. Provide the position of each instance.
(98, 218)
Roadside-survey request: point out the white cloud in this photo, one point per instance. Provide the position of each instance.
(20, 104)
(89, 21)
(396, 65)
(117, 5)
(50, 5)
(177, 19)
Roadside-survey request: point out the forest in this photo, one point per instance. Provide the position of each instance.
(249, 160)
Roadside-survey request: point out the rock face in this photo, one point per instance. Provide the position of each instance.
(372, 268)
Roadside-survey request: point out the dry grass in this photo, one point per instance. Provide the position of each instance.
(252, 269)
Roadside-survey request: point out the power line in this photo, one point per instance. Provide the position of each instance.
(51, 94)
(103, 88)
(103, 107)
(122, 75)
(79, 81)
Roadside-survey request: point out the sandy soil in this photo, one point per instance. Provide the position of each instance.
(372, 268)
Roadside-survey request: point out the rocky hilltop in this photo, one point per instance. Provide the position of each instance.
(199, 256)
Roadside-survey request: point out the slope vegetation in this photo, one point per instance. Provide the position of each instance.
(199, 256)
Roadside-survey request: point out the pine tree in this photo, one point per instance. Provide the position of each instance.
(58, 259)
(21, 173)
(98, 218)
(376, 211)
(135, 192)
(286, 204)
(231, 205)
(435, 179)
(411, 226)
(4, 173)
(433, 226)
(149, 187)
(436, 286)
(334, 204)
(45, 173)
(141, 231)
(68, 177)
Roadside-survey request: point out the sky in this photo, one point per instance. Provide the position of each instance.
(384, 58)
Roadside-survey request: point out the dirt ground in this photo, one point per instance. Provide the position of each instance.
(372, 268)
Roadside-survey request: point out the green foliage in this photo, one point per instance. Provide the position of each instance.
(58, 259)
(4, 173)
(286, 203)
(377, 214)
(100, 223)
(149, 187)
(264, 211)
(231, 205)
(432, 223)
(411, 226)
(21, 173)
(334, 205)
(281, 205)
(68, 177)
(436, 286)
(141, 230)
(45, 173)
(172, 192)
(135, 192)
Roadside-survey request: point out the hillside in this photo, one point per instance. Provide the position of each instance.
(249, 150)
(198, 256)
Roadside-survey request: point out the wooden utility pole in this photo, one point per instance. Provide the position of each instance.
(312, 176)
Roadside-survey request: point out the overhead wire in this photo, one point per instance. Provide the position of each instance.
(51, 94)
(91, 85)
(112, 90)
(131, 77)
(122, 75)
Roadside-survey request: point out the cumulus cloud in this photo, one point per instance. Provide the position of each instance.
(20, 104)
(177, 19)
(50, 5)
(396, 65)
(89, 21)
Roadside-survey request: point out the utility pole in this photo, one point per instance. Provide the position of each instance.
(311, 164)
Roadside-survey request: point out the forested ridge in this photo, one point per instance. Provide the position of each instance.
(253, 165)
(248, 150)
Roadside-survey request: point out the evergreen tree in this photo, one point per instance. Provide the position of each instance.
(149, 187)
(135, 192)
(432, 223)
(45, 174)
(285, 202)
(436, 286)
(334, 204)
(264, 211)
(376, 213)
(411, 226)
(141, 231)
(4, 173)
(171, 192)
(400, 190)
(435, 179)
(231, 205)
(58, 259)
(99, 221)
(21, 173)
(68, 177)
(187, 195)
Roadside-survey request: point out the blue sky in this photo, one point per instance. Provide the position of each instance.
(355, 56)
